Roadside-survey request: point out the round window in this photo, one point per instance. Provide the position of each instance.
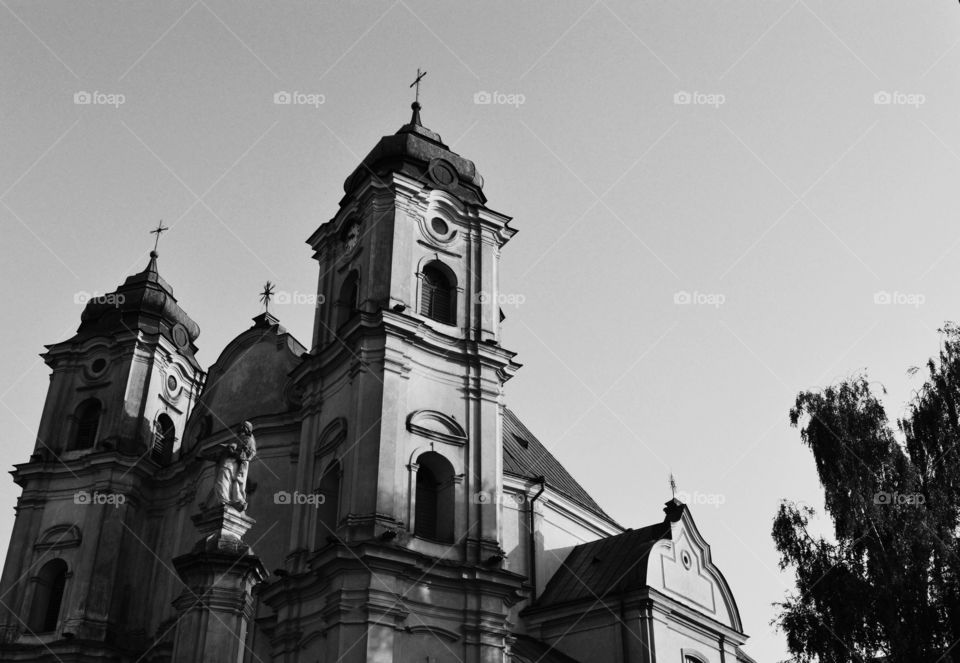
(98, 365)
(685, 559)
(171, 383)
(439, 226)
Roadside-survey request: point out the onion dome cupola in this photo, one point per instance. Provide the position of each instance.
(144, 302)
(420, 153)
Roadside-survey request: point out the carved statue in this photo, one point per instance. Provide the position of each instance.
(233, 462)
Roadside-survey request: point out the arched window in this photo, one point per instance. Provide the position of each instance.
(348, 301)
(435, 498)
(164, 435)
(438, 294)
(48, 597)
(328, 510)
(88, 423)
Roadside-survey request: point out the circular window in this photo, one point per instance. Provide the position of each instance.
(180, 336)
(442, 172)
(98, 365)
(685, 559)
(171, 383)
(439, 226)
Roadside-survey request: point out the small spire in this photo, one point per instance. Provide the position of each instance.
(415, 118)
(673, 486)
(152, 265)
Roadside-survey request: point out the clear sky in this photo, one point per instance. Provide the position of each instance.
(719, 205)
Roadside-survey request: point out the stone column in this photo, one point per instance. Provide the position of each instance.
(217, 608)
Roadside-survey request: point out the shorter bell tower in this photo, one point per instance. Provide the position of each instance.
(121, 391)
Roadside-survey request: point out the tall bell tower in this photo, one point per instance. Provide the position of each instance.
(400, 555)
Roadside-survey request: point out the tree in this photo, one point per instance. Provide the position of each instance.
(886, 586)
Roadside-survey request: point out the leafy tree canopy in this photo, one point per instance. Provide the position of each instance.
(886, 585)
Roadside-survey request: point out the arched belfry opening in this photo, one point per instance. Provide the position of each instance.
(438, 293)
(328, 488)
(50, 584)
(164, 437)
(87, 425)
(348, 302)
(435, 498)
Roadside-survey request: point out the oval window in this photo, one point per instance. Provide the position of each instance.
(439, 226)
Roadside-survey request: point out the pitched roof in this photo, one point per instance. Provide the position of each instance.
(605, 566)
(525, 456)
(529, 650)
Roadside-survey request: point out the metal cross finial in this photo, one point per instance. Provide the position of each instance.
(417, 83)
(673, 486)
(267, 295)
(156, 231)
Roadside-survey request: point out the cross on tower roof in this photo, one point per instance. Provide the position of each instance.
(157, 231)
(416, 83)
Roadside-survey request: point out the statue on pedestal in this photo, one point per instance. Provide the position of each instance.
(233, 463)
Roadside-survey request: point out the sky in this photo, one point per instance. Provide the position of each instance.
(719, 205)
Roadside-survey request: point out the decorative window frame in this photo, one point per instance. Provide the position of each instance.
(417, 424)
(59, 537)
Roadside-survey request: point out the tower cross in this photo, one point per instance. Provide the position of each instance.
(157, 231)
(266, 295)
(416, 83)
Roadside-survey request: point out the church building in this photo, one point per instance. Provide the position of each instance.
(364, 495)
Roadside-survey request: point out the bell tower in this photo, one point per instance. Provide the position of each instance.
(403, 405)
(121, 391)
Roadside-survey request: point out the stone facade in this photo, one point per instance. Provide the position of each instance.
(398, 510)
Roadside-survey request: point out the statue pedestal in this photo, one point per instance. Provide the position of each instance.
(222, 529)
(216, 609)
